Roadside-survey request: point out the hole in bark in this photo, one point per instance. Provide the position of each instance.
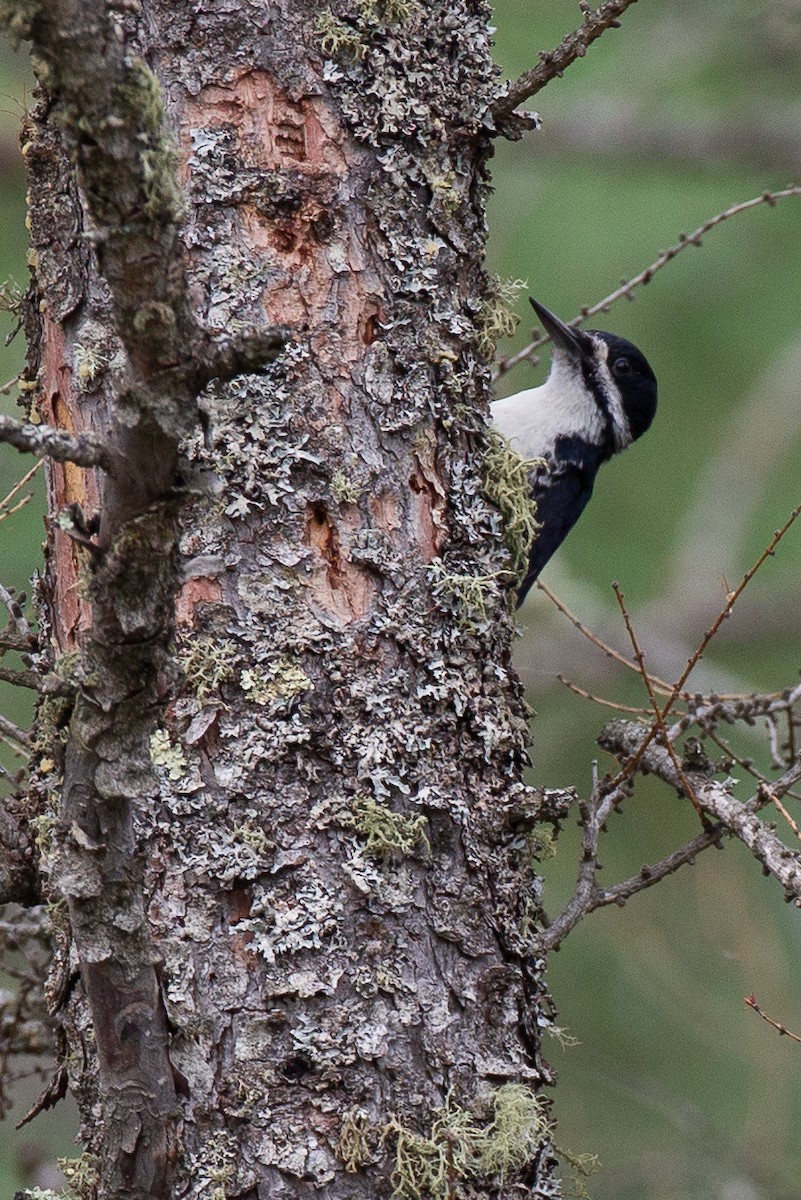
(323, 536)
(322, 227)
(284, 240)
(290, 140)
(371, 329)
(295, 1067)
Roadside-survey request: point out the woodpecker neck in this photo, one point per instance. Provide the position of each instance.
(576, 401)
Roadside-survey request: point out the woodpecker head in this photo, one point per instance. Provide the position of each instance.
(611, 373)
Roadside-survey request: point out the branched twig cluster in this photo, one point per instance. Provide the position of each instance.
(629, 286)
(651, 747)
(553, 63)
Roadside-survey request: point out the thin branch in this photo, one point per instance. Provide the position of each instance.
(745, 763)
(623, 738)
(14, 734)
(705, 712)
(658, 715)
(788, 818)
(647, 876)
(19, 485)
(85, 449)
(732, 598)
(608, 650)
(751, 1001)
(46, 685)
(9, 512)
(580, 691)
(9, 387)
(555, 62)
(628, 287)
(13, 606)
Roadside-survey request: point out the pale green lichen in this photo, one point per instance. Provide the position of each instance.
(346, 490)
(163, 753)
(542, 842)
(583, 1165)
(141, 102)
(386, 832)
(207, 663)
(279, 680)
(11, 297)
(467, 596)
(82, 1176)
(336, 37)
(252, 836)
(215, 1169)
(563, 1036)
(444, 192)
(459, 1148)
(497, 318)
(388, 12)
(354, 1147)
(89, 362)
(515, 1132)
(506, 485)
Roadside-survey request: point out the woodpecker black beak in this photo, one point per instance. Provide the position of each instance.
(574, 342)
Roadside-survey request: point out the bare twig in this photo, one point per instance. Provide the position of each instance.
(788, 818)
(608, 650)
(751, 1001)
(745, 763)
(647, 876)
(9, 512)
(13, 733)
(580, 691)
(46, 685)
(706, 712)
(630, 767)
(19, 485)
(555, 62)
(628, 287)
(85, 449)
(9, 387)
(658, 715)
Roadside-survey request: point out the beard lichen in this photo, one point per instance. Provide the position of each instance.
(460, 1149)
(506, 485)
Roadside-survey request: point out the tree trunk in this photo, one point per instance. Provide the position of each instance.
(294, 841)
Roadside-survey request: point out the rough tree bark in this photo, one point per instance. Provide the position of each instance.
(285, 805)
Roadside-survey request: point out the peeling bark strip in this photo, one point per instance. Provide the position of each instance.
(294, 839)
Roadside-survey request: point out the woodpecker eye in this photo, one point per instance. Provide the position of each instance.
(621, 366)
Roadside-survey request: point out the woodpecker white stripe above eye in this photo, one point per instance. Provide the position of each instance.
(618, 424)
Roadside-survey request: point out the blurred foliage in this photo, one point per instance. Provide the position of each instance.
(687, 108)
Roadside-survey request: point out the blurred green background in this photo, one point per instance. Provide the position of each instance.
(682, 1092)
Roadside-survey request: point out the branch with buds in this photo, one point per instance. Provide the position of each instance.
(652, 748)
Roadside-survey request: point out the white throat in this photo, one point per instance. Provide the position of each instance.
(562, 407)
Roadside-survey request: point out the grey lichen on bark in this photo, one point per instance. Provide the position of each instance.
(295, 839)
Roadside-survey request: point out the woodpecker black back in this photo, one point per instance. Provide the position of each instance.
(599, 398)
